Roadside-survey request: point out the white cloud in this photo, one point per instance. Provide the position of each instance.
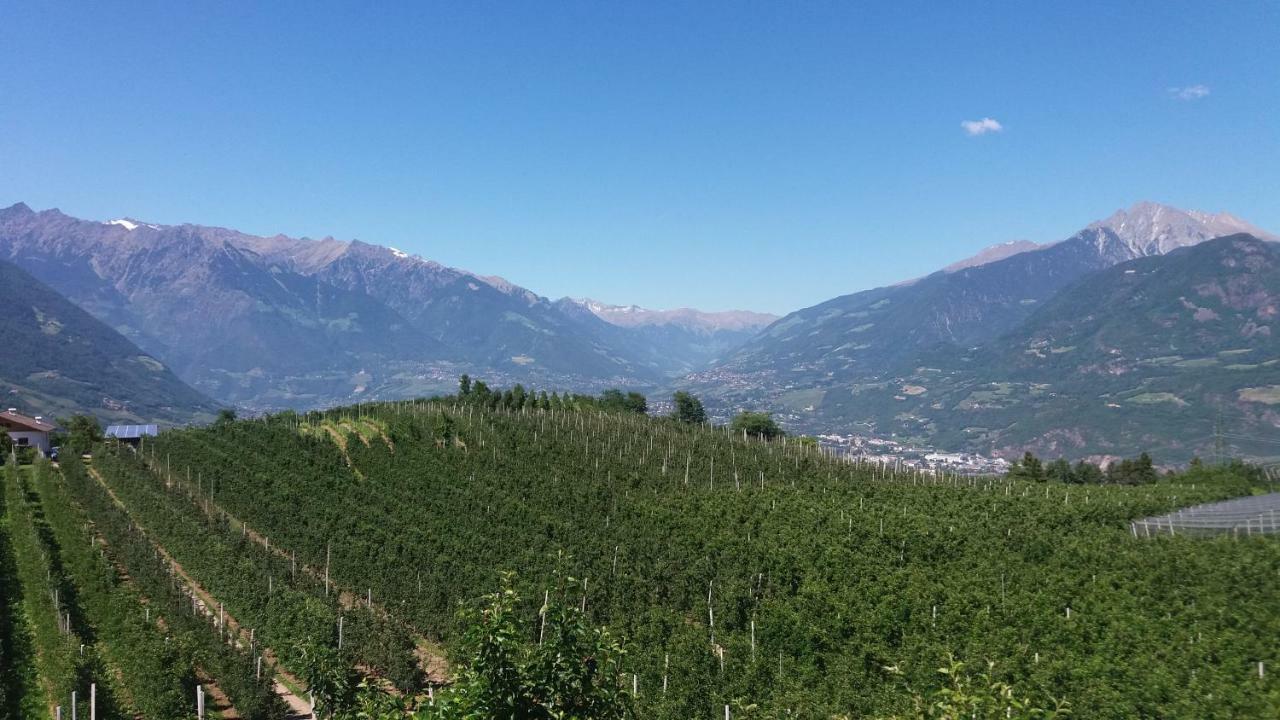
(1190, 92)
(982, 127)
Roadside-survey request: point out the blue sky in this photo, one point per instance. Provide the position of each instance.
(716, 155)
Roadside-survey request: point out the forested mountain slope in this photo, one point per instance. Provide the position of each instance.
(860, 336)
(1156, 354)
(742, 572)
(57, 360)
(946, 361)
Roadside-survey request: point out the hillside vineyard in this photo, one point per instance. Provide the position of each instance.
(738, 571)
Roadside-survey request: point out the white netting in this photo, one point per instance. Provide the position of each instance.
(1242, 517)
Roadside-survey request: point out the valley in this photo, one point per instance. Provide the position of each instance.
(639, 361)
(1022, 347)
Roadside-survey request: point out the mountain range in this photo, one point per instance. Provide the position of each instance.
(273, 322)
(861, 361)
(1112, 340)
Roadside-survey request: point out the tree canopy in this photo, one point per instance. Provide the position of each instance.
(756, 424)
(688, 408)
(83, 432)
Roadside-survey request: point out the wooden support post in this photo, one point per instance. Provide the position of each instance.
(546, 597)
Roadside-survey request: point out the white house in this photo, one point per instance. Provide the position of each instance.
(27, 431)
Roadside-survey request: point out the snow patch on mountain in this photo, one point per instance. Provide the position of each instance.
(130, 225)
(636, 316)
(1150, 228)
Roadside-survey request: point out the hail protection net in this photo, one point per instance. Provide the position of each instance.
(1241, 517)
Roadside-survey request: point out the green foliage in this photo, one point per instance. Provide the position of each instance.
(632, 402)
(158, 673)
(129, 548)
(563, 669)
(61, 667)
(839, 565)
(1086, 473)
(1029, 469)
(1138, 471)
(289, 609)
(1059, 471)
(962, 696)
(83, 432)
(688, 409)
(19, 691)
(478, 394)
(756, 424)
(330, 679)
(225, 416)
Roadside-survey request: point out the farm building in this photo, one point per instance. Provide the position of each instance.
(132, 434)
(27, 431)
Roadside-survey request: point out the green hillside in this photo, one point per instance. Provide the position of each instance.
(739, 572)
(56, 360)
(1154, 354)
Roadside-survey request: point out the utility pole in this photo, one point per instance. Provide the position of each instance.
(1217, 438)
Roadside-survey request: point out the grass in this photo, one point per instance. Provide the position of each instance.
(1155, 398)
(1268, 394)
(1197, 363)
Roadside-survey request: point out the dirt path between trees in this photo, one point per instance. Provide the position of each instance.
(298, 707)
(431, 658)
